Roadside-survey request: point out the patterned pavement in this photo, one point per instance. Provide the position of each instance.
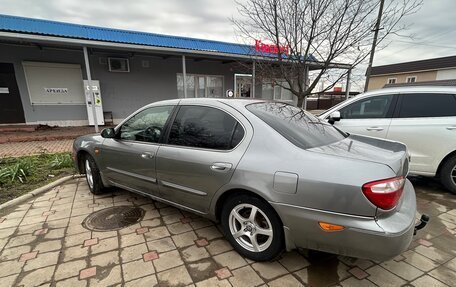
(42, 243)
(18, 149)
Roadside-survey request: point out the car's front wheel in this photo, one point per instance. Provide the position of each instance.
(448, 174)
(252, 227)
(93, 175)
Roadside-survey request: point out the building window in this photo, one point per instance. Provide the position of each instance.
(273, 91)
(392, 81)
(200, 86)
(214, 86)
(411, 79)
(119, 65)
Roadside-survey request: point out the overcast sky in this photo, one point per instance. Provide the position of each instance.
(433, 26)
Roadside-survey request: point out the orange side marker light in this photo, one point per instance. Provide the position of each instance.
(330, 227)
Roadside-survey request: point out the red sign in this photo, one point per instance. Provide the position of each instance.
(270, 48)
(337, 89)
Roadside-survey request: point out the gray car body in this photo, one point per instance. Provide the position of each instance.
(304, 186)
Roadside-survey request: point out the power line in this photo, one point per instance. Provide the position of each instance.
(418, 43)
(426, 44)
(434, 36)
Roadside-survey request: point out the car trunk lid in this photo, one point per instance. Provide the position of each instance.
(392, 154)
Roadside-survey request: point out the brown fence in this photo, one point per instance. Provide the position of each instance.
(324, 102)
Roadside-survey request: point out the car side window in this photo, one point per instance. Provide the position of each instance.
(427, 105)
(205, 127)
(238, 135)
(370, 108)
(147, 125)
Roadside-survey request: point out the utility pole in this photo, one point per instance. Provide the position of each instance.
(374, 44)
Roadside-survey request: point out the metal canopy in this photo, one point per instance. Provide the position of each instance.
(84, 32)
(40, 31)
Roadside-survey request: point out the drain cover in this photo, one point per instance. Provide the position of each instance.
(113, 218)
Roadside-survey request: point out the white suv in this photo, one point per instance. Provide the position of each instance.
(424, 118)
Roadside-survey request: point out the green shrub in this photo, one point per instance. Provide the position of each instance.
(17, 172)
(61, 161)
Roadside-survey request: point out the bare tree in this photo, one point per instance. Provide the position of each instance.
(314, 35)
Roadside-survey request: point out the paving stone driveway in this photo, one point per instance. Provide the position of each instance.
(43, 243)
(18, 149)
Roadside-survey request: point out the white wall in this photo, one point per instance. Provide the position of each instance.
(449, 74)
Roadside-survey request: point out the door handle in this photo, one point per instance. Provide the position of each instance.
(374, 129)
(147, 155)
(221, 166)
(451, 128)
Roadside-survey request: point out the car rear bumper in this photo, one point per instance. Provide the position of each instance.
(363, 237)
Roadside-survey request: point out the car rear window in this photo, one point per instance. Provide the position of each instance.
(299, 127)
(427, 105)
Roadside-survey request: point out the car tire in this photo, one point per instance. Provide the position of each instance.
(93, 176)
(265, 229)
(448, 174)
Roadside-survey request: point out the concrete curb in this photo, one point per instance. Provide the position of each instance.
(38, 191)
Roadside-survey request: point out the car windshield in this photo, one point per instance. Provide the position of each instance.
(298, 126)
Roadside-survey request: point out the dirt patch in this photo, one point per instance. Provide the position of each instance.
(44, 133)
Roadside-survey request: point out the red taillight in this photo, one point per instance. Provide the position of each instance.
(384, 193)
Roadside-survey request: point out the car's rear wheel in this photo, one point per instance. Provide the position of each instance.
(252, 227)
(448, 174)
(93, 176)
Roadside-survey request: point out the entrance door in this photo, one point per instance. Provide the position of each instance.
(243, 86)
(11, 110)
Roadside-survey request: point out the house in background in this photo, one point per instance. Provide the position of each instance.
(436, 72)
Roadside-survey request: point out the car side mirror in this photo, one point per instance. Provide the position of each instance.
(334, 117)
(108, 133)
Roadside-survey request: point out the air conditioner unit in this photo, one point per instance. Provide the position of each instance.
(119, 65)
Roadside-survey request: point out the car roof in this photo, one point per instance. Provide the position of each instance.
(242, 101)
(234, 102)
(395, 90)
(420, 89)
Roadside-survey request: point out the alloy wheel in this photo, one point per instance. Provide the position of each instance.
(250, 227)
(453, 175)
(89, 174)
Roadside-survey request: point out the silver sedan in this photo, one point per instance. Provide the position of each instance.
(276, 177)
